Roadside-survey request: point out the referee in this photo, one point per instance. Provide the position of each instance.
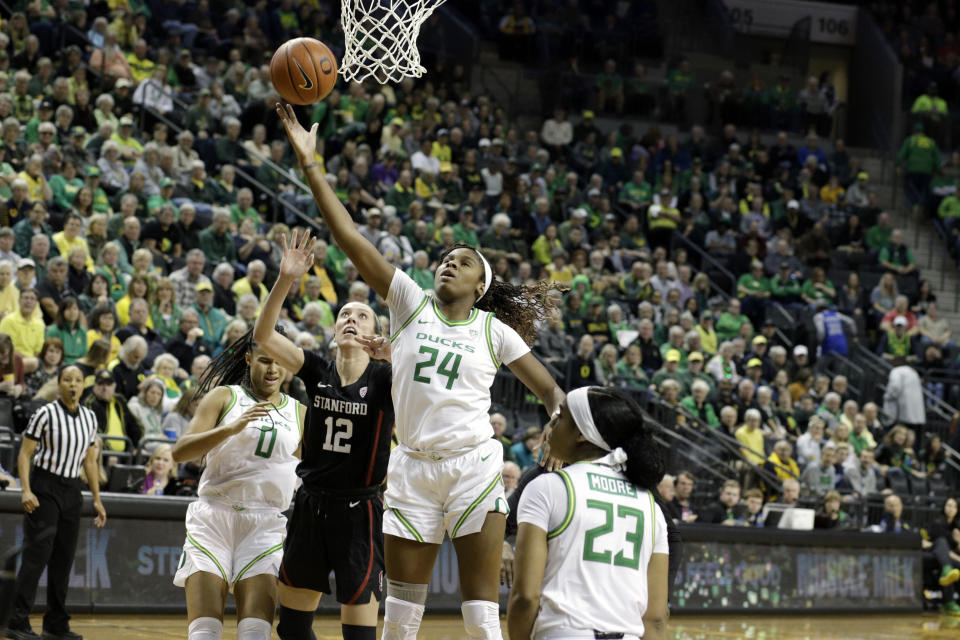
(61, 434)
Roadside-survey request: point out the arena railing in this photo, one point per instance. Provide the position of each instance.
(699, 431)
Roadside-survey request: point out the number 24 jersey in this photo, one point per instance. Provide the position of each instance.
(443, 369)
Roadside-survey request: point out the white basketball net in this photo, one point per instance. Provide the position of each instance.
(381, 38)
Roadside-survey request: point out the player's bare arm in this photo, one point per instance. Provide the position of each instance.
(203, 433)
(376, 271)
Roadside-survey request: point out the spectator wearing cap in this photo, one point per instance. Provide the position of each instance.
(670, 369)
(110, 408)
(615, 171)
(897, 341)
(858, 195)
(901, 309)
(449, 185)
(163, 198)
(130, 148)
(211, 320)
(44, 113)
(24, 327)
(101, 204)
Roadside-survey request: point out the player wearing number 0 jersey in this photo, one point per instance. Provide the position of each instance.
(592, 549)
(444, 478)
(249, 433)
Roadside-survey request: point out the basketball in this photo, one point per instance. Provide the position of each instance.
(303, 71)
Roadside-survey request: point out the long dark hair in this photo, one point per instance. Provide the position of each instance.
(66, 303)
(620, 421)
(521, 308)
(230, 366)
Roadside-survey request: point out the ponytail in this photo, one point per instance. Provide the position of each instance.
(521, 307)
(230, 366)
(620, 422)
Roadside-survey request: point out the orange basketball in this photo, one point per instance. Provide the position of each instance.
(303, 71)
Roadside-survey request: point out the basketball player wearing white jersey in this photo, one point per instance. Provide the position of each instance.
(250, 434)
(592, 551)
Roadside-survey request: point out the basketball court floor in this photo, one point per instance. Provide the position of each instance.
(756, 627)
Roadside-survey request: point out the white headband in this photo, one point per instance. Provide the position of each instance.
(487, 274)
(579, 406)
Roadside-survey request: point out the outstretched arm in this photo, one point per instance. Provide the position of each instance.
(297, 260)
(376, 271)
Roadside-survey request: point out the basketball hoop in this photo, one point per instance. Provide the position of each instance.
(381, 38)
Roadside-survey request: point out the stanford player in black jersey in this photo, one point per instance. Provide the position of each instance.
(337, 515)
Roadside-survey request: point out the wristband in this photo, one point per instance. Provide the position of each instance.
(311, 166)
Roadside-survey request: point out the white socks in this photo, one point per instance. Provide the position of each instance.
(253, 629)
(205, 629)
(401, 619)
(481, 618)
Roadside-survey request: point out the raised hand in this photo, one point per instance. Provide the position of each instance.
(297, 256)
(304, 142)
(377, 347)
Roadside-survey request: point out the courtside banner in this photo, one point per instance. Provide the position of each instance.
(797, 571)
(129, 565)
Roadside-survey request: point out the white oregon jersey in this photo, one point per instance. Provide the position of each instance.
(255, 468)
(601, 532)
(443, 370)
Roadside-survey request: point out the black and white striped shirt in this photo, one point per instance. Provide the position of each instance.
(62, 438)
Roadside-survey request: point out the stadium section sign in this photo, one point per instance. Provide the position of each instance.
(829, 23)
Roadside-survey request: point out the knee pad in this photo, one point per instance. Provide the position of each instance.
(407, 591)
(254, 629)
(205, 629)
(401, 619)
(481, 618)
(295, 625)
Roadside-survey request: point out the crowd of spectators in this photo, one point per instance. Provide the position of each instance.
(138, 246)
